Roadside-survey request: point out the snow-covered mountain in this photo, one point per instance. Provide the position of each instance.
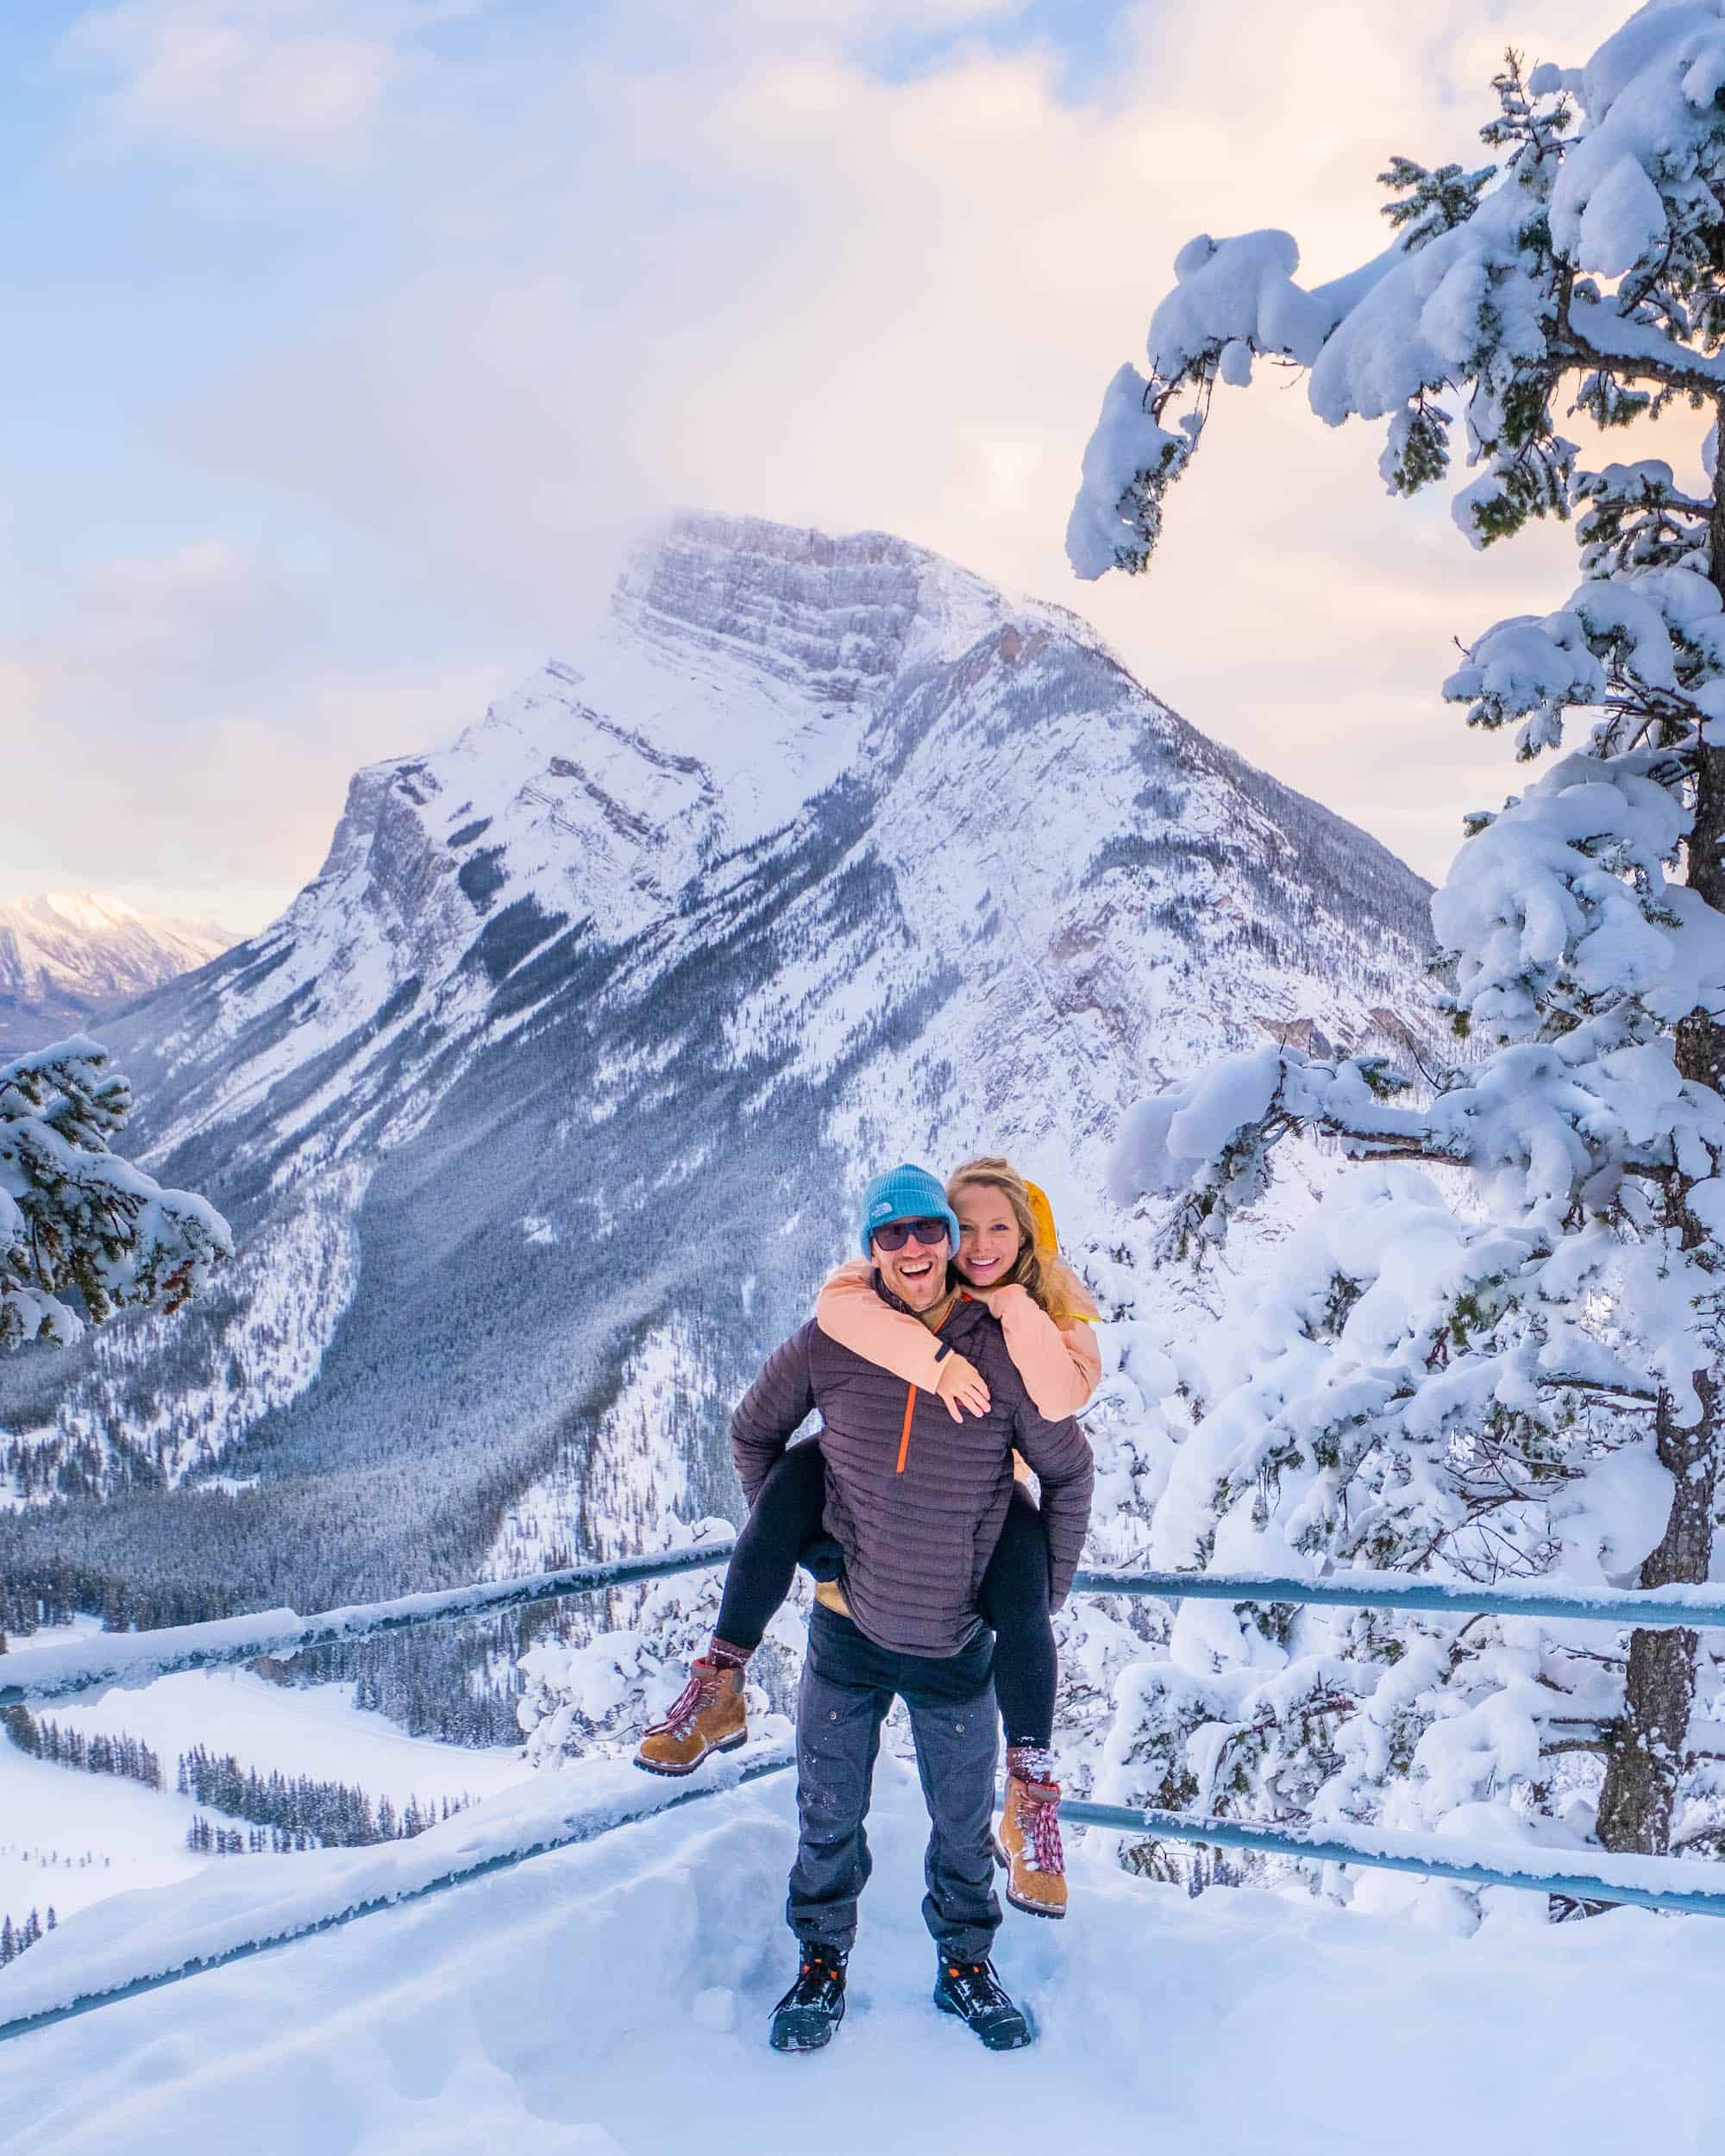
(65, 956)
(543, 1108)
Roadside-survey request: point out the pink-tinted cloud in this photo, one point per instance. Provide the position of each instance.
(754, 271)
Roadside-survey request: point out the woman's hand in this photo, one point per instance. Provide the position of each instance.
(961, 1385)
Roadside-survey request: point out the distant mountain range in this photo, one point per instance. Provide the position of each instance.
(66, 957)
(542, 1110)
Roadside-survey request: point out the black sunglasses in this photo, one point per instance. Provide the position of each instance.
(897, 1233)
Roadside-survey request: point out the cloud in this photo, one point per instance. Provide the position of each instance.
(183, 731)
(301, 76)
(754, 258)
(205, 617)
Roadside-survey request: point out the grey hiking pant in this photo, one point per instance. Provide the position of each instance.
(838, 1739)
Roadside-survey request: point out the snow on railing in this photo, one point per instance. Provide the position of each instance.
(140, 1941)
(36, 1675)
(508, 1829)
(1648, 1882)
(1656, 1609)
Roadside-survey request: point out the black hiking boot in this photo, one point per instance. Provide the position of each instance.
(972, 1991)
(805, 2017)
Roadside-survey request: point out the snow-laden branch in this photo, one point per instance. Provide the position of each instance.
(1596, 335)
(82, 1232)
(1489, 292)
(1649, 643)
(1561, 903)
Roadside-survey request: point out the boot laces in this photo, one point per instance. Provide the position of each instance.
(688, 1703)
(976, 1982)
(818, 1975)
(1041, 1814)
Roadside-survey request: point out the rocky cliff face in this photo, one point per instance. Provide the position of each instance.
(64, 957)
(564, 1073)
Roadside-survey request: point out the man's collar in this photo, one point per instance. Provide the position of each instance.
(941, 1311)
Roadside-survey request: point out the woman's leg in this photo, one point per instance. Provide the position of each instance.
(784, 1516)
(1014, 1600)
(710, 1712)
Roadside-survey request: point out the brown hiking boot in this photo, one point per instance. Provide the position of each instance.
(1029, 1843)
(709, 1715)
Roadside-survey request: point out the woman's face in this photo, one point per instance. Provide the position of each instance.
(989, 1236)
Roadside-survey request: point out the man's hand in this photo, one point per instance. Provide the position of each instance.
(961, 1385)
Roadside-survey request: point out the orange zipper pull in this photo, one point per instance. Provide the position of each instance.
(905, 1434)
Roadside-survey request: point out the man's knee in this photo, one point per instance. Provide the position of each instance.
(837, 1729)
(957, 1749)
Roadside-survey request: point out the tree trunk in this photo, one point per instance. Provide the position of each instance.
(1650, 1750)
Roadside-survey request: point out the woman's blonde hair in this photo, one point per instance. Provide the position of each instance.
(1039, 1268)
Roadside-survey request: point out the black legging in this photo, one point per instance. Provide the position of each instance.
(786, 1519)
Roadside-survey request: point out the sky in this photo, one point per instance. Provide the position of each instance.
(350, 343)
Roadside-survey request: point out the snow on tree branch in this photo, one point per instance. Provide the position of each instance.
(1207, 1142)
(1490, 292)
(1466, 1386)
(1562, 912)
(83, 1232)
(1128, 462)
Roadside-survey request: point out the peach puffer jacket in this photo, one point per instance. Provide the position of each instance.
(1059, 1366)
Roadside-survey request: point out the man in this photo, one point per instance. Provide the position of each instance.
(915, 1501)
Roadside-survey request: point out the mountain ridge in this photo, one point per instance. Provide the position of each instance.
(819, 849)
(66, 956)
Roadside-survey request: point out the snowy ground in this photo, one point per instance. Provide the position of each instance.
(312, 1730)
(610, 2001)
(68, 1839)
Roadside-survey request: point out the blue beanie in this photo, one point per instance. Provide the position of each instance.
(906, 1193)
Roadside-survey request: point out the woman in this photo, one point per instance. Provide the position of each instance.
(1009, 1258)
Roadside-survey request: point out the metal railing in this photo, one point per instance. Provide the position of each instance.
(40, 1674)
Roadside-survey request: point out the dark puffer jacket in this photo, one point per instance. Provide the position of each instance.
(915, 1500)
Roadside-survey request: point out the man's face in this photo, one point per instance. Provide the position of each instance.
(917, 1273)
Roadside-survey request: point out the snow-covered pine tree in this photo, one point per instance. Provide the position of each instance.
(1536, 1386)
(83, 1232)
